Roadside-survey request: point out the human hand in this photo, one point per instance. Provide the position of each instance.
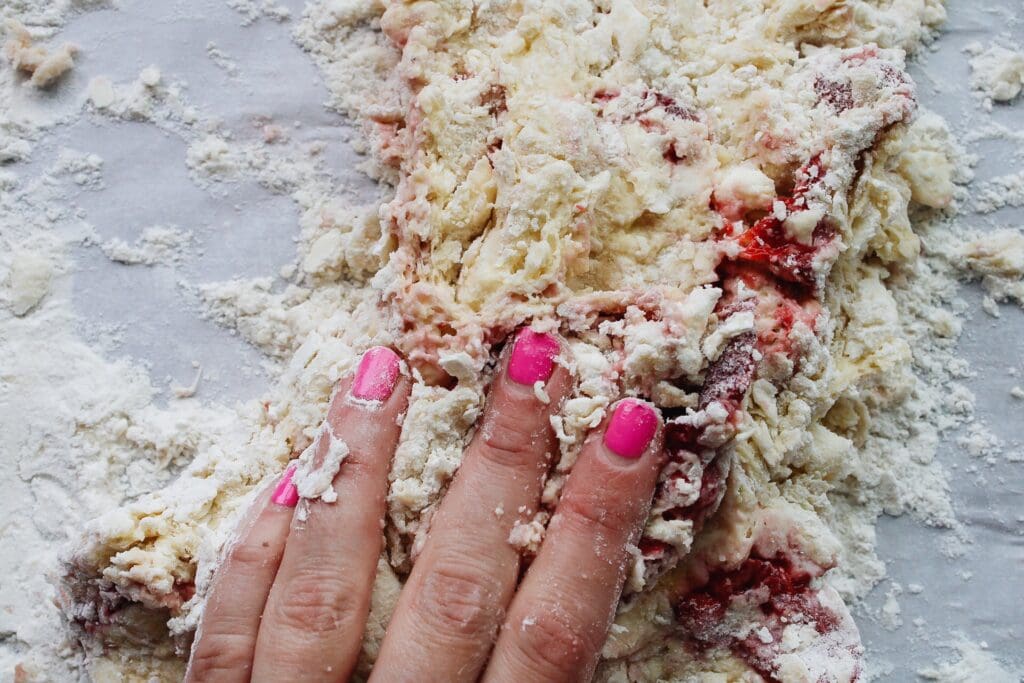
(292, 597)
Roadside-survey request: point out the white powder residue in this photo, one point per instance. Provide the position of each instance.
(997, 73)
(253, 10)
(27, 282)
(890, 615)
(1000, 192)
(221, 59)
(975, 664)
(80, 433)
(156, 245)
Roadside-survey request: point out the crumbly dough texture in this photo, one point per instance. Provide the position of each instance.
(707, 200)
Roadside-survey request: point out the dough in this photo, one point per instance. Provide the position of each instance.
(707, 200)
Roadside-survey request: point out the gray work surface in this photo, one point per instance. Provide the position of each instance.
(245, 230)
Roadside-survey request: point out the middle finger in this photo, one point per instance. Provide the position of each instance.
(449, 612)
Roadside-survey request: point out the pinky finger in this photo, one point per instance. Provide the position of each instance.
(226, 638)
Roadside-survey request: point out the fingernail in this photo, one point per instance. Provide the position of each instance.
(286, 494)
(533, 357)
(377, 374)
(631, 429)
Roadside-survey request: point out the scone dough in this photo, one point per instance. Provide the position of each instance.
(706, 200)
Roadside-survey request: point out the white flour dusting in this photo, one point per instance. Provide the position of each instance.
(156, 245)
(997, 73)
(975, 664)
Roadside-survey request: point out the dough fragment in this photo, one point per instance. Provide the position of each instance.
(997, 72)
(706, 199)
(43, 66)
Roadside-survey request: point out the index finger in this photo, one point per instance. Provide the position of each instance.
(312, 627)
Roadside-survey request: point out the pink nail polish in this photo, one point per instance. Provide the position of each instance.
(631, 429)
(533, 357)
(377, 374)
(286, 494)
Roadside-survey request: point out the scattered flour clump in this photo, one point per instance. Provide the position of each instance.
(156, 245)
(253, 10)
(1000, 192)
(998, 257)
(996, 72)
(975, 664)
(27, 283)
(43, 66)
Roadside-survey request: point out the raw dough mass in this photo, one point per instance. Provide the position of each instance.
(710, 201)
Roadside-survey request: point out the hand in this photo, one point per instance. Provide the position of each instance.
(291, 600)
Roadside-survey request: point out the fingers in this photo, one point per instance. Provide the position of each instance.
(453, 603)
(226, 639)
(313, 624)
(560, 616)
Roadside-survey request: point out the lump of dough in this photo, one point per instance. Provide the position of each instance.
(44, 66)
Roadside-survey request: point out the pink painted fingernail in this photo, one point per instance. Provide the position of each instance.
(377, 374)
(631, 429)
(533, 357)
(286, 494)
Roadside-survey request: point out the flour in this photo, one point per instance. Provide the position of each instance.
(975, 664)
(253, 10)
(997, 73)
(528, 535)
(28, 281)
(156, 245)
(1000, 192)
(79, 435)
(222, 59)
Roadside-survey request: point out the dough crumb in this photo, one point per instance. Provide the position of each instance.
(156, 245)
(43, 67)
(527, 536)
(314, 476)
(997, 73)
(27, 283)
(189, 391)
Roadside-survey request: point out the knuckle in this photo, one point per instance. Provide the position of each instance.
(318, 603)
(554, 644)
(248, 554)
(458, 600)
(594, 515)
(363, 465)
(218, 656)
(512, 440)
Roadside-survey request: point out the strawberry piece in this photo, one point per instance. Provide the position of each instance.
(768, 244)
